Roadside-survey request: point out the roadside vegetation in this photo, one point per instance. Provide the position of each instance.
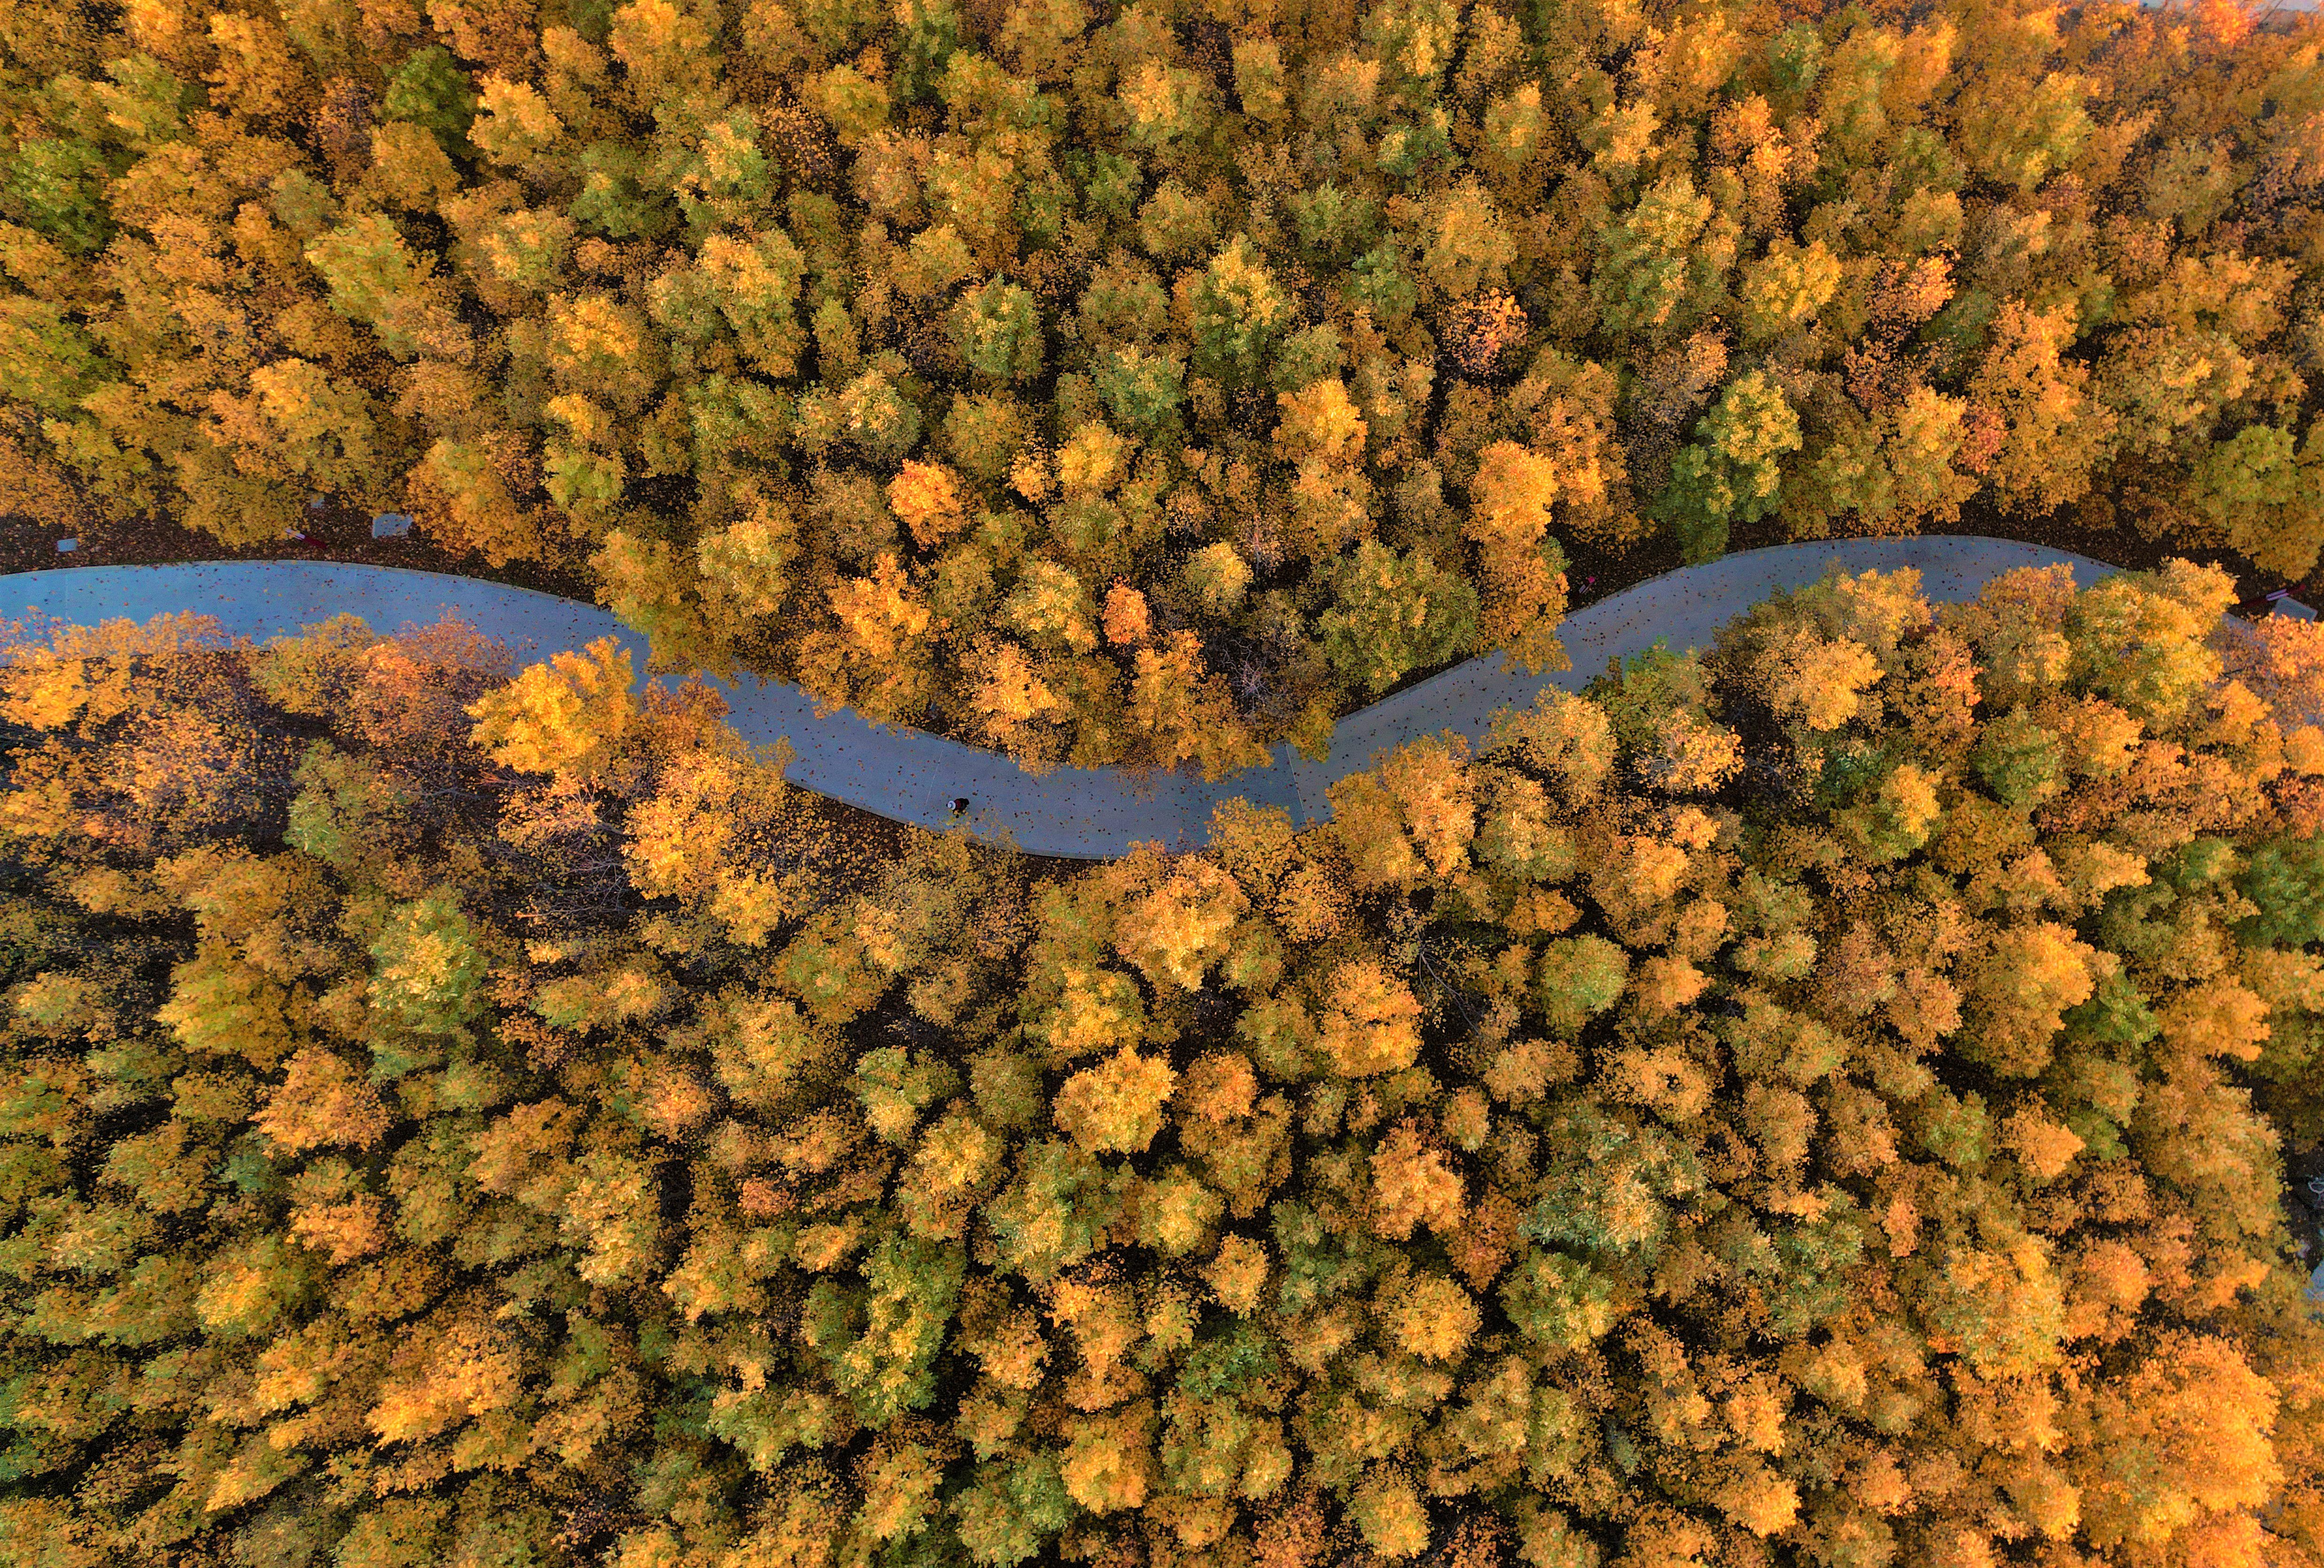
(1817, 1100)
(1149, 384)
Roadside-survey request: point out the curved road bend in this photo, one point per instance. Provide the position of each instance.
(911, 776)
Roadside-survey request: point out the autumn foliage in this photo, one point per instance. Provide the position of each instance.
(884, 349)
(1817, 1099)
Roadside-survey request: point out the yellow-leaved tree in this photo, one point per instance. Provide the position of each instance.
(566, 715)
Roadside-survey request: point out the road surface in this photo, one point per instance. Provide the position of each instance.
(911, 776)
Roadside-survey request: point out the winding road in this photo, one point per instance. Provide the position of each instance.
(911, 776)
(1085, 813)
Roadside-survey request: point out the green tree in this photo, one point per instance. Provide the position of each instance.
(881, 1343)
(348, 813)
(2265, 501)
(373, 278)
(652, 587)
(1142, 391)
(614, 200)
(1238, 311)
(1053, 1214)
(55, 188)
(1782, 291)
(1664, 263)
(1392, 612)
(49, 362)
(1732, 471)
(1011, 1509)
(1578, 978)
(996, 329)
(431, 962)
(2018, 133)
(428, 90)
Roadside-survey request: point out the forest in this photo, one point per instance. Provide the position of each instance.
(1153, 384)
(1816, 1099)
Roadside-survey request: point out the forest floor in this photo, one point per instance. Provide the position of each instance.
(2304, 1203)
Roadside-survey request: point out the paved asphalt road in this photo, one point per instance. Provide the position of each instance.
(912, 776)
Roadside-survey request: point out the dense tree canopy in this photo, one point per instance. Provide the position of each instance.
(860, 343)
(1815, 1099)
